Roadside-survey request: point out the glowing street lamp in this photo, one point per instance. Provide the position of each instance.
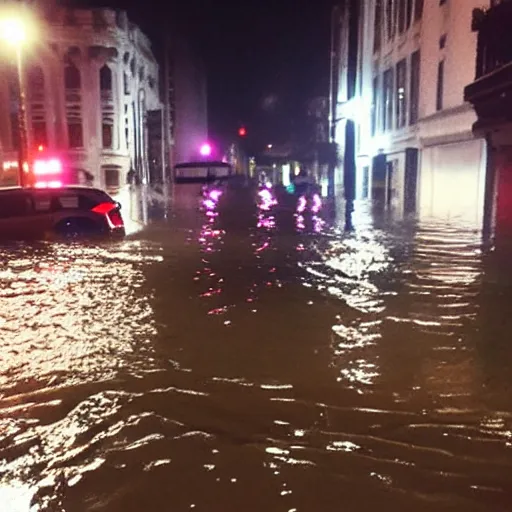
(205, 150)
(13, 31)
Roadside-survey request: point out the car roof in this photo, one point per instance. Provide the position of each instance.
(64, 188)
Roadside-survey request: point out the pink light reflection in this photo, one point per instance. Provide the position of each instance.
(301, 204)
(263, 247)
(317, 203)
(215, 195)
(206, 150)
(266, 222)
(267, 199)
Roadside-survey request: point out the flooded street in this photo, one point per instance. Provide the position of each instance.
(210, 364)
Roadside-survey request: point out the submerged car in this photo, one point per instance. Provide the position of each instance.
(68, 211)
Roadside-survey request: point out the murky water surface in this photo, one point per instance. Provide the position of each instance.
(228, 363)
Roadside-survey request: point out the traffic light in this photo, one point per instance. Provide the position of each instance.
(242, 131)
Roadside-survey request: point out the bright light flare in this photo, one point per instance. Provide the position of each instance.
(13, 31)
(44, 167)
(205, 150)
(48, 184)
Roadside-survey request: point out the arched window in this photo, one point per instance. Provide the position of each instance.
(105, 78)
(72, 77)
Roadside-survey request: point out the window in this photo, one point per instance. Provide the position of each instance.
(375, 93)
(408, 13)
(105, 78)
(75, 134)
(387, 100)
(440, 86)
(401, 71)
(414, 93)
(112, 177)
(377, 26)
(401, 15)
(72, 201)
(35, 82)
(72, 77)
(441, 2)
(70, 18)
(418, 10)
(126, 83)
(442, 41)
(98, 19)
(39, 133)
(390, 18)
(65, 202)
(107, 135)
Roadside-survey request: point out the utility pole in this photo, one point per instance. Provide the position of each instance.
(333, 99)
(349, 159)
(167, 159)
(22, 120)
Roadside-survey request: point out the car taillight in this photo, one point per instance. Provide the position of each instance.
(111, 211)
(115, 218)
(104, 208)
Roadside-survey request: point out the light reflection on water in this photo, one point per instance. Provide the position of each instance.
(210, 366)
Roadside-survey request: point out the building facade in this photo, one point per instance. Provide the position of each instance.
(91, 81)
(491, 95)
(414, 145)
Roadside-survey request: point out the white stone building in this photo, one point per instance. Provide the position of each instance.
(414, 59)
(91, 78)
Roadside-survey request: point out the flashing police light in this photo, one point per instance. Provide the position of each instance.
(45, 167)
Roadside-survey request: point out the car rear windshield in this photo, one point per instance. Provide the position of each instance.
(68, 200)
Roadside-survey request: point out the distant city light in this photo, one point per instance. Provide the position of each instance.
(242, 131)
(269, 146)
(206, 150)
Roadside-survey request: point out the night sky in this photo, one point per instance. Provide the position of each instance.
(264, 58)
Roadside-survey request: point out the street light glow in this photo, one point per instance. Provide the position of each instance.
(13, 31)
(206, 150)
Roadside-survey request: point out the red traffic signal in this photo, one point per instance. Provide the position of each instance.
(242, 131)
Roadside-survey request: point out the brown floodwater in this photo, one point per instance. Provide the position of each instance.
(241, 363)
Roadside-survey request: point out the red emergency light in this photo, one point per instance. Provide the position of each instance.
(46, 167)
